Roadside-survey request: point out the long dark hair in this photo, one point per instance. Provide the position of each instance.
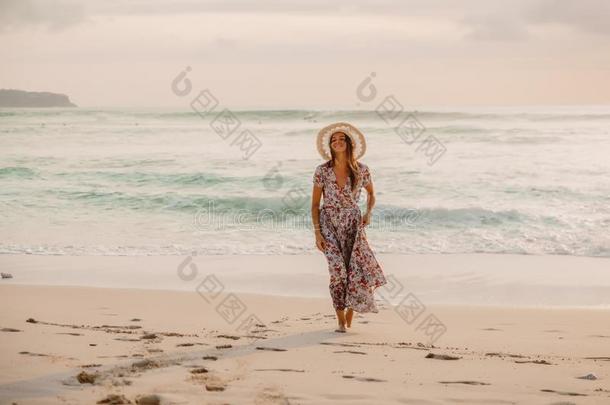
(352, 165)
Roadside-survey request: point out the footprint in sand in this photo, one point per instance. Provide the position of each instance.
(229, 337)
(504, 355)
(534, 362)
(199, 370)
(145, 364)
(340, 344)
(467, 382)
(273, 349)
(210, 381)
(441, 356)
(90, 365)
(257, 331)
(349, 351)
(114, 399)
(409, 345)
(127, 339)
(191, 344)
(271, 396)
(366, 379)
(603, 358)
(571, 394)
(34, 354)
(148, 400)
(590, 377)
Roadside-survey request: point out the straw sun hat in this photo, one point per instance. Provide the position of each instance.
(357, 138)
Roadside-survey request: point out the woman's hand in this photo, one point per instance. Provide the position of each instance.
(366, 219)
(320, 242)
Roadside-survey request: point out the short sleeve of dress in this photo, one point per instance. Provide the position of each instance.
(366, 176)
(318, 179)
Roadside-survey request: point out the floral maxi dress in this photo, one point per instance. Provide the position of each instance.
(354, 271)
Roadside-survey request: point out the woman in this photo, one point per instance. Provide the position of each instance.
(339, 224)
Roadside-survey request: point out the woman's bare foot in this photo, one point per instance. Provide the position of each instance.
(341, 321)
(349, 315)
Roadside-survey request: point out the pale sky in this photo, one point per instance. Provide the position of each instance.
(309, 53)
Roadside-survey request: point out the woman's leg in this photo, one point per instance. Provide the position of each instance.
(341, 320)
(337, 269)
(338, 283)
(341, 316)
(349, 315)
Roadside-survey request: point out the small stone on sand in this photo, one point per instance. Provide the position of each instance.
(86, 378)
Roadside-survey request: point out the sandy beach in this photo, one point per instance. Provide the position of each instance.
(196, 197)
(79, 344)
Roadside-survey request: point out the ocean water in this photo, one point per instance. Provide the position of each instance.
(80, 181)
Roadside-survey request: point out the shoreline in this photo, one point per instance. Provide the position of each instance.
(496, 280)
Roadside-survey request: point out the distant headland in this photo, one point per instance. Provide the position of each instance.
(21, 98)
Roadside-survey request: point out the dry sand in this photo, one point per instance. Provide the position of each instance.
(179, 348)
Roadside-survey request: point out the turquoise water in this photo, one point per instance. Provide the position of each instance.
(148, 182)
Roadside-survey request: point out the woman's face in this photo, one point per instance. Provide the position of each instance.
(338, 142)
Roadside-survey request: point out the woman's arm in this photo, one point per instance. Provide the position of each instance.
(316, 194)
(370, 203)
